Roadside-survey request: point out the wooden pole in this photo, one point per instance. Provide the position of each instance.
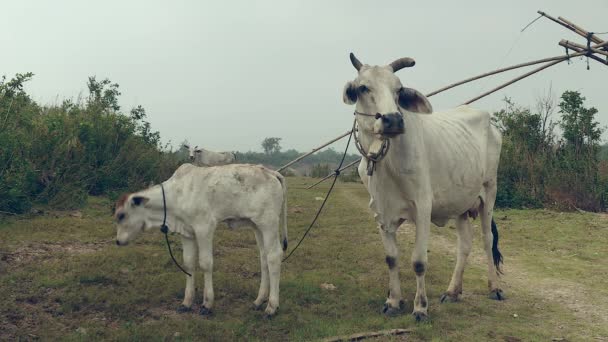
(499, 71)
(515, 80)
(311, 152)
(571, 27)
(569, 45)
(333, 173)
(582, 31)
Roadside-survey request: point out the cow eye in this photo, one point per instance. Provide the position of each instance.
(120, 216)
(363, 89)
(198, 151)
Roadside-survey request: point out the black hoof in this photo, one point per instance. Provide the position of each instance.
(183, 309)
(390, 311)
(204, 311)
(420, 316)
(497, 295)
(271, 315)
(448, 297)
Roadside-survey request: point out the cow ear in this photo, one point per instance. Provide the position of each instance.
(413, 101)
(139, 200)
(350, 93)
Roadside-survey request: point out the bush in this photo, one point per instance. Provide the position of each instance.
(59, 155)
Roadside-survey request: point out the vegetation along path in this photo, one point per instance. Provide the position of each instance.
(61, 275)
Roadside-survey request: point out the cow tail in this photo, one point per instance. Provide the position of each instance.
(496, 255)
(283, 218)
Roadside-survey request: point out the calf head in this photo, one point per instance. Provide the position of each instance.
(132, 218)
(380, 96)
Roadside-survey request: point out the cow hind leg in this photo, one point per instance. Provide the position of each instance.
(394, 303)
(264, 281)
(465, 240)
(274, 253)
(490, 244)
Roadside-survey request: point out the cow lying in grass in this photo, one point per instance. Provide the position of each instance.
(202, 157)
(197, 199)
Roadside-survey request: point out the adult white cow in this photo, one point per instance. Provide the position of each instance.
(197, 199)
(434, 168)
(202, 157)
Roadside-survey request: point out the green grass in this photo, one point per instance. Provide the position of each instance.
(64, 277)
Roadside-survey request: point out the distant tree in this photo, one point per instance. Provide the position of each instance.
(581, 131)
(271, 145)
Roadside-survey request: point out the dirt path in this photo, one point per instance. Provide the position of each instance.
(578, 299)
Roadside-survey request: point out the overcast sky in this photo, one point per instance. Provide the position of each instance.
(226, 74)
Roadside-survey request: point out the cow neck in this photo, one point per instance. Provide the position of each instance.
(157, 211)
(399, 156)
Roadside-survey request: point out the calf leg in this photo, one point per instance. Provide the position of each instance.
(264, 282)
(420, 262)
(205, 259)
(465, 240)
(272, 246)
(394, 303)
(190, 254)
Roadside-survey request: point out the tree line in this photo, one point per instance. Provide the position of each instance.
(58, 155)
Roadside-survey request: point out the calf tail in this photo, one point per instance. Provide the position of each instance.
(495, 252)
(283, 218)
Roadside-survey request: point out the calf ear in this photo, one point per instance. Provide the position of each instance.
(349, 96)
(413, 101)
(139, 200)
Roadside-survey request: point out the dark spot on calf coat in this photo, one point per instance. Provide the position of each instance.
(391, 262)
(419, 268)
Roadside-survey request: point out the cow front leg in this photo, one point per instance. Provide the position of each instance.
(264, 281)
(190, 253)
(420, 263)
(205, 259)
(394, 303)
(465, 240)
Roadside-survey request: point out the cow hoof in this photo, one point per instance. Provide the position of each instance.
(270, 312)
(258, 307)
(204, 311)
(390, 311)
(420, 316)
(183, 309)
(449, 297)
(497, 294)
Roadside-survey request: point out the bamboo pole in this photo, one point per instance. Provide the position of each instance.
(571, 27)
(333, 173)
(516, 66)
(313, 151)
(515, 80)
(569, 44)
(582, 31)
(582, 50)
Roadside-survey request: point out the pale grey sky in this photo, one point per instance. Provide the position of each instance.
(226, 74)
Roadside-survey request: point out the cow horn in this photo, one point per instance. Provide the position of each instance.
(356, 63)
(401, 63)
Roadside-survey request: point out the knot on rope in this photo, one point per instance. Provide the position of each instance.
(164, 229)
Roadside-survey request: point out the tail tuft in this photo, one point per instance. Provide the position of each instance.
(495, 252)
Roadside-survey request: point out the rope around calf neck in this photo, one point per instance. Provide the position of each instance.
(336, 174)
(165, 229)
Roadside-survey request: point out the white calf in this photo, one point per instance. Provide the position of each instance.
(197, 199)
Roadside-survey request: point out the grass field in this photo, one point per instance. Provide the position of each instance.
(64, 277)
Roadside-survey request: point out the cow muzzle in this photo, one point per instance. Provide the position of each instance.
(389, 125)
